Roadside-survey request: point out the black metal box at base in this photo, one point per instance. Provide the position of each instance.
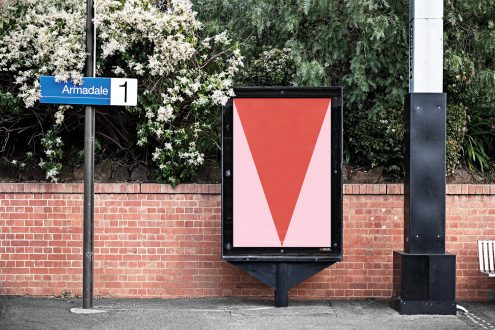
(424, 283)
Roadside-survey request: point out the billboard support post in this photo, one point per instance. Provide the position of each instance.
(281, 285)
(266, 130)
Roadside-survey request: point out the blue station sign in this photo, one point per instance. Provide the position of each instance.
(92, 91)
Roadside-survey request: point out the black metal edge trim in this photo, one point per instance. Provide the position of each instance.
(288, 92)
(247, 258)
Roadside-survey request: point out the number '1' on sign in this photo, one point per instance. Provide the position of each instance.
(124, 91)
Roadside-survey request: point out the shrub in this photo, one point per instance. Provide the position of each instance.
(183, 79)
(470, 75)
(363, 46)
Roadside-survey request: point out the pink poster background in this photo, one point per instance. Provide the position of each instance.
(253, 224)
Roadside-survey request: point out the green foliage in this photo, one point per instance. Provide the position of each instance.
(380, 139)
(273, 67)
(470, 75)
(456, 130)
(363, 46)
(480, 138)
(360, 44)
(9, 104)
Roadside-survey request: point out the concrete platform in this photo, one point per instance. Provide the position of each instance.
(228, 313)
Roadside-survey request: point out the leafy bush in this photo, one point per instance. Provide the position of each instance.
(470, 75)
(184, 75)
(183, 79)
(363, 46)
(380, 139)
(480, 140)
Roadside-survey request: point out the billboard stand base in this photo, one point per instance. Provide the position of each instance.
(281, 285)
(281, 276)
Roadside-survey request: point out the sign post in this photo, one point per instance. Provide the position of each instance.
(89, 164)
(282, 183)
(92, 91)
(424, 274)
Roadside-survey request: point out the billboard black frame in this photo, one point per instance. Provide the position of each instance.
(284, 254)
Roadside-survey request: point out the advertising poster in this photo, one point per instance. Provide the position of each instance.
(282, 172)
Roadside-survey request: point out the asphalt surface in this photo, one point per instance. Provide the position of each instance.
(228, 313)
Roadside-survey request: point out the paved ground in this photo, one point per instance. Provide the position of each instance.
(228, 313)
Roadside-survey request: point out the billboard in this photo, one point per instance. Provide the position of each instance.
(282, 182)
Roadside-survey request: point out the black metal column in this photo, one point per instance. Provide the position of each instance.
(424, 275)
(424, 182)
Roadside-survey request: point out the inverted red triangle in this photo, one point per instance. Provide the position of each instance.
(282, 134)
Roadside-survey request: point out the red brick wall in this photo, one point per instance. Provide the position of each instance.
(152, 241)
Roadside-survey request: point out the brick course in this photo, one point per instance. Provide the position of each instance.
(155, 241)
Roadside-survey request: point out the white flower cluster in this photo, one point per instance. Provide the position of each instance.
(123, 25)
(52, 174)
(49, 39)
(52, 147)
(46, 41)
(274, 59)
(59, 115)
(196, 87)
(18, 164)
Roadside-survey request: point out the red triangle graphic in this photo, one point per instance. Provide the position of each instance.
(282, 135)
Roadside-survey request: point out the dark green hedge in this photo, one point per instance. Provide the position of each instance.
(363, 46)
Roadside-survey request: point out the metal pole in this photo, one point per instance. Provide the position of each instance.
(89, 161)
(424, 275)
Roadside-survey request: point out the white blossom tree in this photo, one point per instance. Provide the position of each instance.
(183, 79)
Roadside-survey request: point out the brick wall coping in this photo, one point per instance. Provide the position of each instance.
(215, 189)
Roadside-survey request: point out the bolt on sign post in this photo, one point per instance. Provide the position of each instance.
(92, 91)
(282, 183)
(424, 274)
